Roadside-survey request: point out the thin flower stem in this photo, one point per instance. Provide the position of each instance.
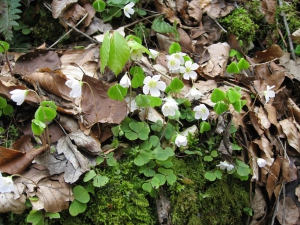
(165, 128)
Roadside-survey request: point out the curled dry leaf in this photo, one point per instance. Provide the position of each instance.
(85, 142)
(273, 176)
(167, 11)
(58, 6)
(73, 14)
(24, 144)
(37, 59)
(289, 170)
(259, 206)
(7, 154)
(273, 52)
(9, 203)
(292, 133)
(296, 36)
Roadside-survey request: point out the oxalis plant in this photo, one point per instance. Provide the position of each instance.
(155, 142)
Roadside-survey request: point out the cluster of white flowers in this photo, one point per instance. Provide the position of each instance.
(225, 165)
(176, 64)
(6, 184)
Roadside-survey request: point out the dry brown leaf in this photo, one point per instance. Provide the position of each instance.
(167, 11)
(55, 163)
(254, 122)
(195, 11)
(297, 192)
(268, 8)
(294, 109)
(271, 112)
(98, 25)
(7, 154)
(273, 177)
(185, 41)
(259, 206)
(58, 6)
(73, 13)
(68, 123)
(289, 170)
(19, 164)
(23, 144)
(296, 36)
(290, 130)
(273, 52)
(39, 58)
(85, 142)
(218, 9)
(91, 13)
(291, 66)
(9, 203)
(53, 194)
(263, 119)
(288, 212)
(219, 54)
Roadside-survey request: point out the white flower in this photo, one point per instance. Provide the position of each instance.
(125, 82)
(225, 165)
(170, 107)
(181, 140)
(177, 55)
(6, 184)
(75, 85)
(269, 93)
(128, 9)
(261, 162)
(18, 95)
(173, 64)
(202, 112)
(153, 54)
(188, 70)
(153, 85)
(132, 106)
(193, 94)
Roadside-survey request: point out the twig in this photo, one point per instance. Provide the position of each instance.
(276, 205)
(146, 18)
(7, 61)
(220, 26)
(287, 31)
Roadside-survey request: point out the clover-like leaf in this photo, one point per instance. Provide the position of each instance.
(141, 129)
(100, 181)
(147, 187)
(89, 175)
(204, 126)
(171, 178)
(210, 176)
(143, 158)
(163, 154)
(80, 194)
(99, 5)
(117, 92)
(176, 85)
(233, 68)
(238, 105)
(217, 95)
(220, 107)
(3, 103)
(243, 64)
(77, 207)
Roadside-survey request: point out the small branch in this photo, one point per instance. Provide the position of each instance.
(146, 18)
(287, 31)
(7, 61)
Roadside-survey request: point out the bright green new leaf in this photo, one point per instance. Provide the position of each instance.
(134, 45)
(35, 217)
(77, 207)
(45, 114)
(49, 104)
(99, 5)
(176, 85)
(104, 51)
(119, 53)
(136, 70)
(214, 153)
(80, 194)
(163, 154)
(243, 64)
(111, 161)
(100, 181)
(174, 47)
(220, 107)
(3, 103)
(232, 52)
(217, 95)
(137, 80)
(233, 95)
(89, 175)
(37, 127)
(117, 92)
(52, 215)
(208, 158)
(4, 46)
(238, 105)
(218, 174)
(236, 147)
(210, 176)
(204, 126)
(233, 68)
(154, 101)
(147, 187)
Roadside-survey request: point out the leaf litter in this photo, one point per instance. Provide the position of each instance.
(272, 129)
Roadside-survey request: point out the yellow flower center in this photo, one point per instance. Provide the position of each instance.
(152, 84)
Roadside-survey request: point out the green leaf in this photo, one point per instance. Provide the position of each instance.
(80, 194)
(141, 129)
(134, 45)
(163, 154)
(154, 140)
(162, 179)
(174, 47)
(99, 160)
(77, 207)
(238, 105)
(89, 175)
(204, 126)
(137, 80)
(217, 95)
(160, 26)
(5, 45)
(214, 153)
(171, 178)
(104, 51)
(232, 52)
(176, 85)
(119, 53)
(100, 181)
(143, 158)
(111, 161)
(208, 158)
(157, 126)
(142, 100)
(52, 215)
(236, 147)
(148, 172)
(155, 182)
(154, 101)
(37, 127)
(218, 174)
(35, 217)
(220, 107)
(243, 64)
(243, 171)
(49, 104)
(3, 103)
(233, 95)
(165, 171)
(233, 68)
(99, 5)
(117, 92)
(210, 176)
(45, 114)
(131, 136)
(147, 187)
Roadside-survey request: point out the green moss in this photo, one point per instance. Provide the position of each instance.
(239, 23)
(292, 15)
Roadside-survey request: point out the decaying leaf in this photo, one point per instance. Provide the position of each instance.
(273, 177)
(85, 142)
(268, 7)
(287, 212)
(259, 207)
(7, 154)
(291, 132)
(289, 170)
(9, 204)
(273, 52)
(59, 6)
(291, 66)
(297, 192)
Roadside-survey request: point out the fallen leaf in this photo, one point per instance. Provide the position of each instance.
(273, 177)
(85, 142)
(273, 52)
(259, 206)
(58, 6)
(73, 14)
(297, 192)
(287, 212)
(291, 66)
(91, 14)
(7, 154)
(289, 170)
(290, 130)
(9, 204)
(268, 7)
(24, 144)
